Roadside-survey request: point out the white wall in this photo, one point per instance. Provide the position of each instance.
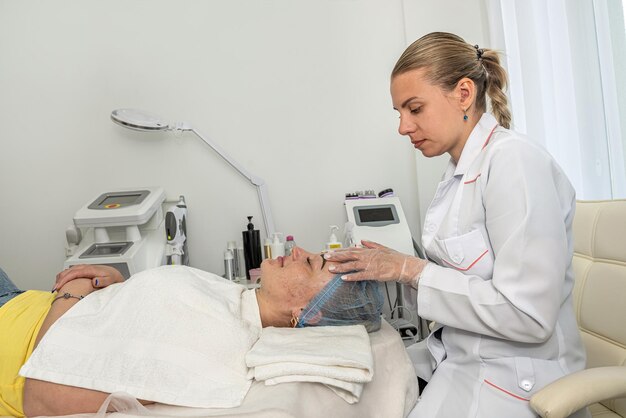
(296, 91)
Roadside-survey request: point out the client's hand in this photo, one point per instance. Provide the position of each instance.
(101, 276)
(376, 262)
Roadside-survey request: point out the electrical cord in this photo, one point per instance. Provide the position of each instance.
(397, 308)
(388, 298)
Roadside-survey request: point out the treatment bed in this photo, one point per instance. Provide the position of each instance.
(392, 393)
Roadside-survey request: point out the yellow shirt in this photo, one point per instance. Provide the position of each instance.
(20, 321)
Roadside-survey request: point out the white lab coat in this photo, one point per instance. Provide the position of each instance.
(500, 285)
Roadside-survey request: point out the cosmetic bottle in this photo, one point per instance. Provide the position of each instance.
(232, 247)
(267, 248)
(278, 248)
(332, 243)
(251, 247)
(241, 262)
(289, 244)
(348, 233)
(228, 265)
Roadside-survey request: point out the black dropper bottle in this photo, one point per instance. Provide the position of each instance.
(251, 247)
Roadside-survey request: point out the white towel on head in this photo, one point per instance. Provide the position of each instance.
(339, 357)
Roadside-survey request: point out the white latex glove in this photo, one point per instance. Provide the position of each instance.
(376, 262)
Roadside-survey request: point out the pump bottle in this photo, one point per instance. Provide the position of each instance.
(332, 243)
(278, 248)
(251, 247)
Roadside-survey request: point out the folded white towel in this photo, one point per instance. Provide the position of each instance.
(349, 392)
(339, 357)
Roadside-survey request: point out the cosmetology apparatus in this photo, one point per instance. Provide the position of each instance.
(176, 233)
(382, 220)
(127, 229)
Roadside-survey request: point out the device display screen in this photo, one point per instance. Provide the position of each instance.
(106, 250)
(122, 199)
(376, 215)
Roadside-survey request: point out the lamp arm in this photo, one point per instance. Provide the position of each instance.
(234, 164)
(265, 208)
(255, 180)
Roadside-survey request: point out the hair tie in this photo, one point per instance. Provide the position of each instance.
(479, 52)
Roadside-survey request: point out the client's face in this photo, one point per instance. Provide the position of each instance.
(294, 280)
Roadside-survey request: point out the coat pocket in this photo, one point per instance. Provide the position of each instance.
(507, 384)
(468, 253)
(500, 393)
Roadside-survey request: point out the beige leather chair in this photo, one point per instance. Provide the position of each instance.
(600, 303)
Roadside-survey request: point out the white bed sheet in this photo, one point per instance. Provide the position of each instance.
(392, 393)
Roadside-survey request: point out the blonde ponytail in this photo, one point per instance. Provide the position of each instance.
(496, 86)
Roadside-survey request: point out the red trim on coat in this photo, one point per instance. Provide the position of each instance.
(472, 181)
(489, 137)
(470, 266)
(483, 147)
(505, 391)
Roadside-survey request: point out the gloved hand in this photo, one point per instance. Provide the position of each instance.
(376, 262)
(101, 276)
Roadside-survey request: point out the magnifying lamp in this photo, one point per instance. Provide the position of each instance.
(142, 121)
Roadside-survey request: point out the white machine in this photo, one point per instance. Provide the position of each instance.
(382, 220)
(176, 233)
(124, 229)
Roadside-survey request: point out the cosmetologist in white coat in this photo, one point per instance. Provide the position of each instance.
(498, 283)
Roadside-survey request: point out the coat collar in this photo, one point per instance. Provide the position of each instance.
(475, 143)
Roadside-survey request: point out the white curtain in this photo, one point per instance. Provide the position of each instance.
(560, 55)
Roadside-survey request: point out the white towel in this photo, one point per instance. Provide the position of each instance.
(339, 357)
(173, 335)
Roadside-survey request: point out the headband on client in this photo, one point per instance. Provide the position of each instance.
(345, 303)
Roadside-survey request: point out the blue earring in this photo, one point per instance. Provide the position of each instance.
(465, 118)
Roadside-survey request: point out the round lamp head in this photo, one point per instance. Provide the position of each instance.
(138, 120)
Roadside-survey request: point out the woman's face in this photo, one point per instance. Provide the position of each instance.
(294, 280)
(431, 117)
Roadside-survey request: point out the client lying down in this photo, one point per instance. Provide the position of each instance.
(172, 334)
